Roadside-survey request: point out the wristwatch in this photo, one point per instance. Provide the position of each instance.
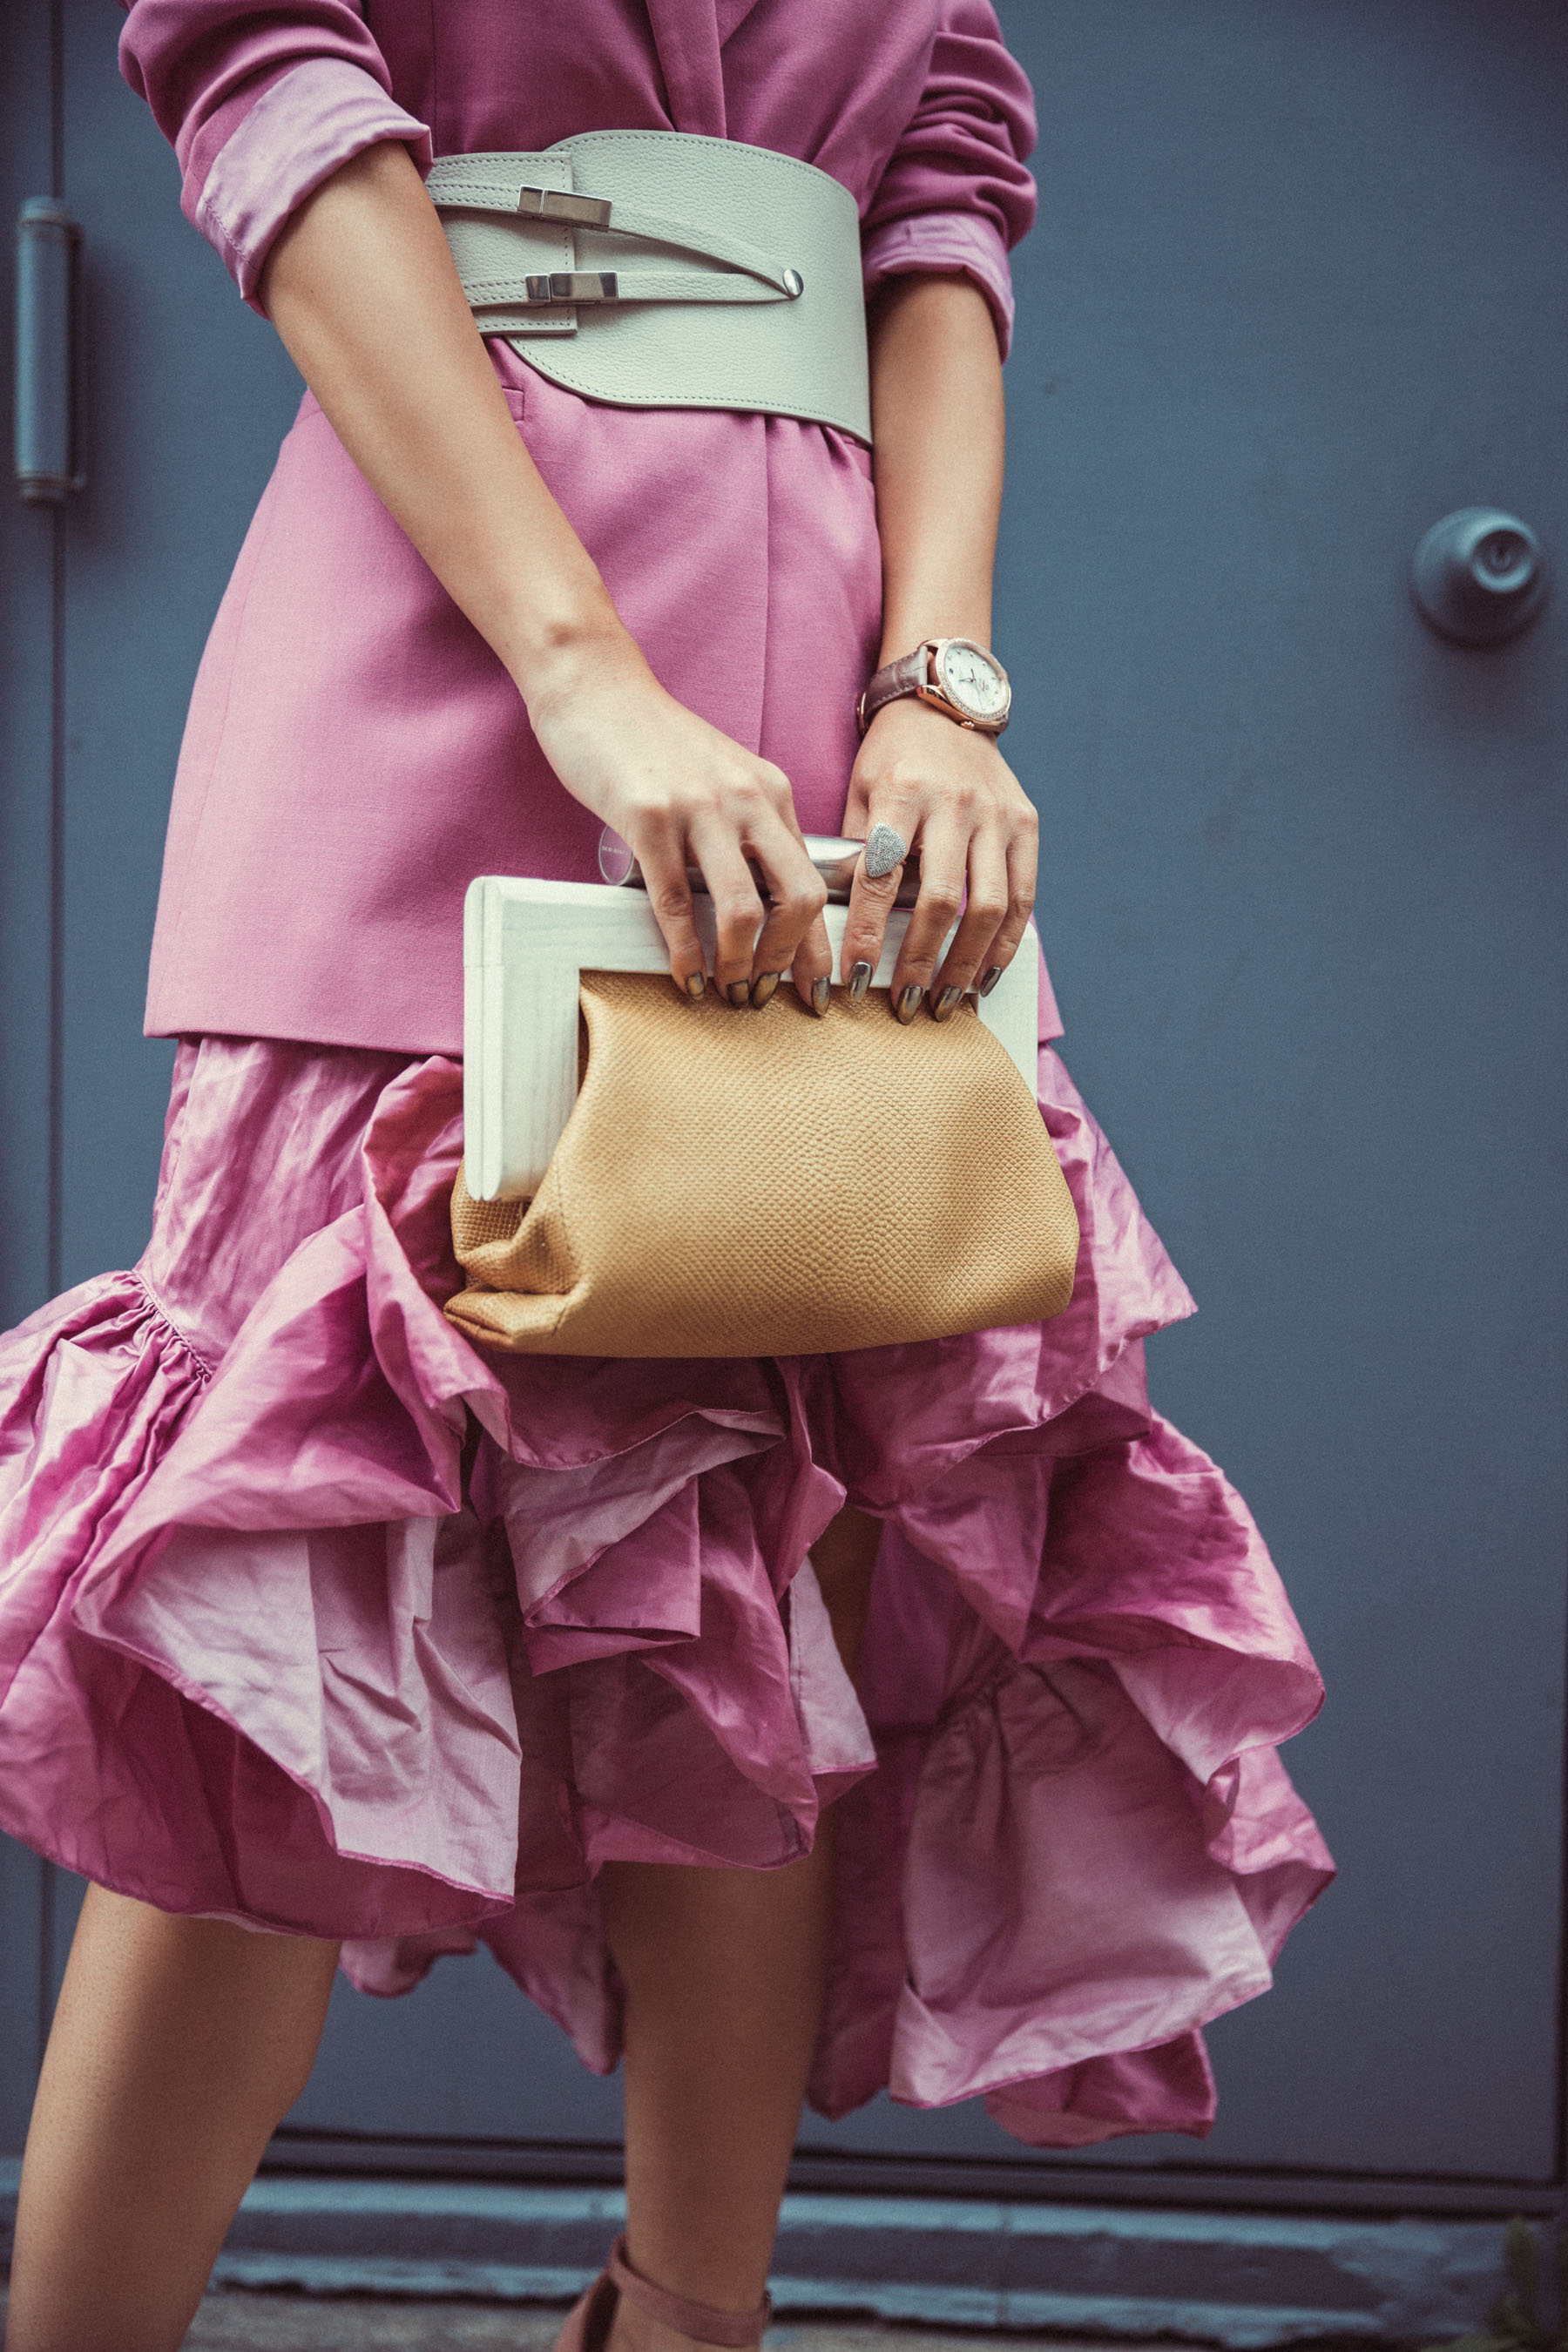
(954, 676)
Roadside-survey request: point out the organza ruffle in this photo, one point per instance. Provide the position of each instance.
(279, 1643)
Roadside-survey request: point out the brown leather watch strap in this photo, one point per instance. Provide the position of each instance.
(905, 675)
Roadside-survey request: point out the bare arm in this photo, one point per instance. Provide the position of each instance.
(937, 412)
(363, 289)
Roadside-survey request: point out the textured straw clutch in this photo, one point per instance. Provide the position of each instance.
(734, 1184)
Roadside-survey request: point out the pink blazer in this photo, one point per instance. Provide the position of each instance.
(354, 752)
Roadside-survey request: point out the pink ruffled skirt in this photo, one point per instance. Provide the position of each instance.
(315, 1618)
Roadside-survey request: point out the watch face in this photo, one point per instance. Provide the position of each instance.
(972, 680)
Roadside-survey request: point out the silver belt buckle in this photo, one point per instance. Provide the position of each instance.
(559, 205)
(572, 285)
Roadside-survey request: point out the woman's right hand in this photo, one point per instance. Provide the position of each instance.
(682, 793)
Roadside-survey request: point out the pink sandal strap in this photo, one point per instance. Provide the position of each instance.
(736, 2329)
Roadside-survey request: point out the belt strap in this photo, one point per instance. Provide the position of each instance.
(499, 183)
(614, 286)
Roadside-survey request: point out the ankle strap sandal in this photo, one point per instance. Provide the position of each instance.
(587, 2325)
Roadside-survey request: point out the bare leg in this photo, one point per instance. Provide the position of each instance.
(724, 1972)
(177, 2046)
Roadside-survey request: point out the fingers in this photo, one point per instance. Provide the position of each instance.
(996, 908)
(737, 910)
(662, 855)
(794, 937)
(945, 855)
(984, 882)
(986, 909)
(758, 939)
(813, 969)
(871, 899)
(1022, 867)
(951, 794)
(732, 821)
(688, 800)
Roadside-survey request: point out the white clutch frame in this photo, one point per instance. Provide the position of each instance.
(526, 943)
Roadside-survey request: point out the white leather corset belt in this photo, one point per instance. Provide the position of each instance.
(658, 269)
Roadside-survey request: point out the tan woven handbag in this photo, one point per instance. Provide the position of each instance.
(766, 1183)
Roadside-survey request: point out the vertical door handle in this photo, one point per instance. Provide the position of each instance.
(49, 458)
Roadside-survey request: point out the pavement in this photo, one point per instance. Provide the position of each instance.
(239, 2320)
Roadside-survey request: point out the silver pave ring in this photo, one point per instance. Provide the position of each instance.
(884, 850)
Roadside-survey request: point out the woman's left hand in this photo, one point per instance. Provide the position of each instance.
(947, 792)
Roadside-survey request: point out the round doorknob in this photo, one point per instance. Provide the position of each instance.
(1479, 576)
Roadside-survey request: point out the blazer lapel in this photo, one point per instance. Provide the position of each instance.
(686, 35)
(731, 14)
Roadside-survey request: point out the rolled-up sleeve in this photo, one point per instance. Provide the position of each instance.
(261, 103)
(956, 193)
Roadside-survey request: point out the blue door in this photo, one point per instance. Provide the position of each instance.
(1297, 292)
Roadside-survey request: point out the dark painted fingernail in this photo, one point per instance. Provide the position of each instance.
(990, 980)
(762, 988)
(739, 993)
(697, 983)
(821, 995)
(860, 981)
(910, 1002)
(945, 1004)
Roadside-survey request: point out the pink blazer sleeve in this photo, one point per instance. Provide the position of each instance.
(261, 103)
(956, 193)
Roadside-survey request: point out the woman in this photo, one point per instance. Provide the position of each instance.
(807, 1726)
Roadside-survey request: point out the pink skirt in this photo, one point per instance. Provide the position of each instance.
(278, 1645)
